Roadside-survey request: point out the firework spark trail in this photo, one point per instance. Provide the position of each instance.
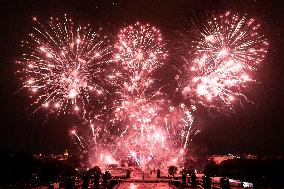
(73, 132)
(229, 49)
(66, 65)
(98, 139)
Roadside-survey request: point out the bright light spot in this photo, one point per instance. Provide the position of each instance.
(72, 93)
(157, 135)
(31, 81)
(209, 97)
(117, 56)
(45, 105)
(76, 108)
(42, 49)
(108, 159)
(133, 186)
(186, 91)
(48, 55)
(231, 98)
(139, 56)
(133, 153)
(99, 92)
(97, 55)
(223, 53)
(195, 79)
(82, 61)
(210, 38)
(201, 90)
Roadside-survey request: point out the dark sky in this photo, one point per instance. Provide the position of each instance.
(257, 129)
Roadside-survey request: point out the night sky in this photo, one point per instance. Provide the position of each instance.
(257, 128)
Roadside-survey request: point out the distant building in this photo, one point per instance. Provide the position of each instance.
(250, 156)
(218, 159)
(60, 157)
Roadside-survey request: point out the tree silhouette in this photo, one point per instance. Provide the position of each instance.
(172, 170)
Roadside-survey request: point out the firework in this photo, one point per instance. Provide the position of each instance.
(66, 65)
(98, 139)
(140, 49)
(228, 50)
(153, 128)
